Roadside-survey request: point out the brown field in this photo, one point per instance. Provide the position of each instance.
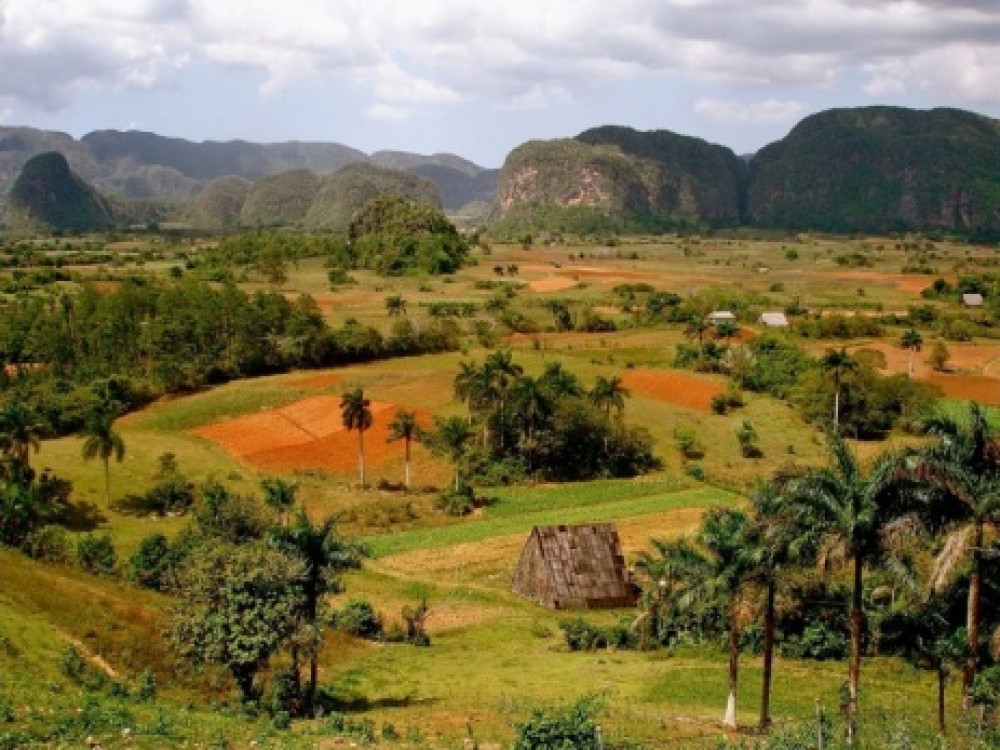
(981, 388)
(307, 434)
(679, 388)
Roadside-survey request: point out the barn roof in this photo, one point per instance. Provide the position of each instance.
(972, 299)
(574, 566)
(774, 319)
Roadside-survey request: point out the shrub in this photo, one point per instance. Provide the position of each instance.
(358, 618)
(560, 727)
(580, 635)
(96, 554)
(49, 543)
(152, 561)
(456, 502)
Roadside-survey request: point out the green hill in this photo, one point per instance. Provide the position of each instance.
(48, 195)
(342, 193)
(220, 202)
(614, 178)
(283, 198)
(875, 169)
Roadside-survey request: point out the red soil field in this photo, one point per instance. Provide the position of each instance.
(680, 388)
(307, 434)
(985, 390)
(316, 381)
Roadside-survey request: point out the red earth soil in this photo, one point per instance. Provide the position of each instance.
(680, 388)
(307, 434)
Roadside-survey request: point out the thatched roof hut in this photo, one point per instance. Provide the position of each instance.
(574, 566)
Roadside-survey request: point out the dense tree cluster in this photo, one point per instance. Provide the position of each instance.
(545, 426)
(62, 356)
(393, 236)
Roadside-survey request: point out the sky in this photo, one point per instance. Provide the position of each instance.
(478, 77)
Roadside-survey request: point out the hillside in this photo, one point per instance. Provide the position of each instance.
(618, 178)
(881, 168)
(48, 195)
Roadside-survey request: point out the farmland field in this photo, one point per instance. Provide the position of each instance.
(493, 656)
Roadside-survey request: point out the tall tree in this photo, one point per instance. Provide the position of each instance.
(912, 341)
(964, 466)
(404, 427)
(324, 556)
(451, 437)
(474, 386)
(356, 414)
(239, 605)
(847, 507)
(837, 363)
(724, 533)
(774, 543)
(609, 393)
(20, 432)
(279, 495)
(101, 440)
(502, 371)
(559, 381)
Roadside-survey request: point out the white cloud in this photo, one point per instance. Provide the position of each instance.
(520, 53)
(768, 111)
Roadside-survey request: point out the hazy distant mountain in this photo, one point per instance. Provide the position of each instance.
(47, 195)
(146, 165)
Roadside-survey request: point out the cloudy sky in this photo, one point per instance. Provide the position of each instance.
(478, 77)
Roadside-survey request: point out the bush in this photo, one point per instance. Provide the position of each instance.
(96, 554)
(152, 561)
(580, 635)
(49, 543)
(358, 618)
(456, 502)
(560, 727)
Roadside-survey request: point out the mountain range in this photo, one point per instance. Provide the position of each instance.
(868, 169)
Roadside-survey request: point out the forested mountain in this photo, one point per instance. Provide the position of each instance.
(49, 196)
(878, 169)
(872, 169)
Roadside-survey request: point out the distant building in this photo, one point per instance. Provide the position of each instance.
(579, 566)
(972, 299)
(721, 316)
(774, 320)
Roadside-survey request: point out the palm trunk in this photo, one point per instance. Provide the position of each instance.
(734, 667)
(972, 618)
(911, 363)
(313, 679)
(407, 479)
(942, 677)
(361, 456)
(107, 480)
(836, 410)
(854, 669)
(765, 692)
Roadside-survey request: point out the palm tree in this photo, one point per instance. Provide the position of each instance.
(724, 533)
(607, 393)
(473, 386)
(838, 363)
(279, 495)
(501, 371)
(559, 381)
(847, 508)
(324, 555)
(534, 405)
(356, 414)
(696, 328)
(964, 467)
(101, 440)
(912, 340)
(450, 436)
(20, 432)
(404, 427)
(772, 544)
(726, 330)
